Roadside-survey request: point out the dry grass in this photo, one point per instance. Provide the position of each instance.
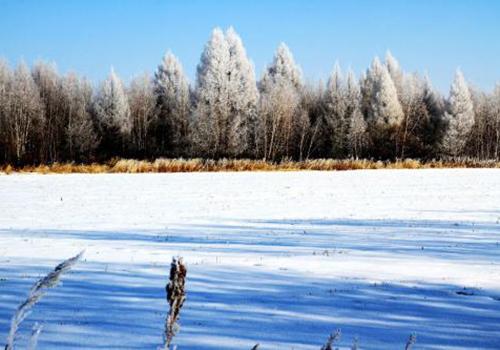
(176, 295)
(330, 343)
(163, 165)
(411, 341)
(37, 292)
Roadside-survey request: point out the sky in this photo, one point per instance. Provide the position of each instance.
(91, 36)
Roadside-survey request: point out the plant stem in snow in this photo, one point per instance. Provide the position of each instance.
(36, 293)
(331, 340)
(411, 341)
(175, 296)
(35, 333)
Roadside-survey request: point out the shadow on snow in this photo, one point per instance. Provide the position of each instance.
(117, 306)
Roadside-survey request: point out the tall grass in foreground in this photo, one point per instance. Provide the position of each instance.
(38, 290)
(164, 165)
(176, 295)
(331, 340)
(411, 341)
(335, 338)
(35, 333)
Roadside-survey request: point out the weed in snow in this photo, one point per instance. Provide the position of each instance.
(411, 341)
(37, 292)
(331, 340)
(37, 328)
(176, 295)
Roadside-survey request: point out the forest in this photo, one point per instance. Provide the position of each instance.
(384, 114)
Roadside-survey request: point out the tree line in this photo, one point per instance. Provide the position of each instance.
(386, 113)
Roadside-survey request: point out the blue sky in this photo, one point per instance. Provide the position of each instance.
(90, 36)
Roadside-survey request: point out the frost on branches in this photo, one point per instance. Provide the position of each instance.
(281, 120)
(226, 97)
(386, 113)
(173, 107)
(112, 112)
(459, 117)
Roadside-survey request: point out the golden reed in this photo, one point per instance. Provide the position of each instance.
(164, 165)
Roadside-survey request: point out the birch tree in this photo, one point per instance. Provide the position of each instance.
(312, 133)
(142, 103)
(80, 132)
(281, 120)
(495, 120)
(479, 141)
(5, 82)
(25, 119)
(50, 87)
(415, 114)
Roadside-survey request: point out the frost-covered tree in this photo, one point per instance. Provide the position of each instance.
(311, 122)
(412, 94)
(415, 132)
(5, 82)
(434, 101)
(357, 134)
(112, 113)
(382, 110)
(484, 138)
(459, 117)
(243, 95)
(25, 120)
(173, 107)
(142, 103)
(353, 91)
(356, 137)
(434, 104)
(387, 111)
(81, 138)
(283, 70)
(281, 121)
(479, 140)
(422, 108)
(395, 72)
(213, 133)
(342, 100)
(336, 104)
(226, 97)
(386, 114)
(369, 83)
(495, 121)
(49, 85)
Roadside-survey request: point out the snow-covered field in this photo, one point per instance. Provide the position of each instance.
(281, 259)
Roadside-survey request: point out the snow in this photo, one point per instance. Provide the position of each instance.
(281, 259)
